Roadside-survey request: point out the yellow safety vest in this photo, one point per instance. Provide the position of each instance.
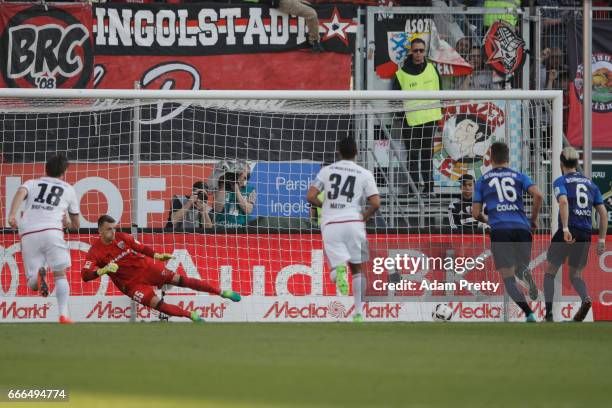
(426, 81)
(512, 19)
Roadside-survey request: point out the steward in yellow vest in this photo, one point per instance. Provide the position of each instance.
(418, 74)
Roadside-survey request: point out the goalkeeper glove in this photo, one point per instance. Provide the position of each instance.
(162, 257)
(110, 268)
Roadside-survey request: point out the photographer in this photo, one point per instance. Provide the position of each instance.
(191, 212)
(234, 198)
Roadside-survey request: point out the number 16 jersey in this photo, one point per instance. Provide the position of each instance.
(346, 186)
(47, 200)
(501, 189)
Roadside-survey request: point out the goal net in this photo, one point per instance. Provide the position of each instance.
(219, 180)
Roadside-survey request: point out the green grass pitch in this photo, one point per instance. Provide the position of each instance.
(297, 365)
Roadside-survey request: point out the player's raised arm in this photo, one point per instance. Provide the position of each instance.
(143, 249)
(18, 199)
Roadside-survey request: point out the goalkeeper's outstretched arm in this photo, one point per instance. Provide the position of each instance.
(145, 249)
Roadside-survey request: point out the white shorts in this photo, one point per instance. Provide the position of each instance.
(345, 242)
(44, 248)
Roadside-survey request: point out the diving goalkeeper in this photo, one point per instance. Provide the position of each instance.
(131, 267)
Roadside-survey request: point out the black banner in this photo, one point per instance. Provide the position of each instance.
(213, 29)
(188, 133)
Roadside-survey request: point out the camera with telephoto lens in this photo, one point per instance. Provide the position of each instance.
(202, 192)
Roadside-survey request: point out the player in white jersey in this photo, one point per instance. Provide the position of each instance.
(347, 187)
(50, 206)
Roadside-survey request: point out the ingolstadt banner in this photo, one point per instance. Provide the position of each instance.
(213, 29)
(203, 46)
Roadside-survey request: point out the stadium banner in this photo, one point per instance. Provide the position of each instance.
(109, 309)
(44, 46)
(284, 278)
(108, 186)
(282, 70)
(601, 66)
(602, 177)
(205, 130)
(465, 133)
(211, 46)
(393, 35)
(215, 29)
(281, 188)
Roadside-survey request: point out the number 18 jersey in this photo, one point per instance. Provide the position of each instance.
(501, 190)
(346, 186)
(47, 200)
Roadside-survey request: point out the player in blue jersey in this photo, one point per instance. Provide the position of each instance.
(577, 195)
(501, 189)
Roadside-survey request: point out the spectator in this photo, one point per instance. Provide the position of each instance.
(551, 66)
(299, 8)
(419, 74)
(472, 24)
(481, 77)
(460, 210)
(192, 211)
(234, 198)
(509, 17)
(449, 29)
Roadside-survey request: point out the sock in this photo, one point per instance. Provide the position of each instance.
(332, 275)
(62, 292)
(357, 290)
(199, 285)
(580, 287)
(549, 292)
(516, 295)
(172, 310)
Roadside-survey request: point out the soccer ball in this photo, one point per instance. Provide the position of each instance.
(442, 313)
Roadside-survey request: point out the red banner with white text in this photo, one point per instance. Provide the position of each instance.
(162, 46)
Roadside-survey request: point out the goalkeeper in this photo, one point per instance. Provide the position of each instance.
(131, 267)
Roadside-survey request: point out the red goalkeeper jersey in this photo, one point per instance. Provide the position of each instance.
(132, 257)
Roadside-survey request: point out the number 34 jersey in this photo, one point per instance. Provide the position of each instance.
(346, 186)
(47, 200)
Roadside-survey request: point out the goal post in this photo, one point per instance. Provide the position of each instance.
(137, 154)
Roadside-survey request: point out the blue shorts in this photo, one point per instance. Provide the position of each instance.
(511, 248)
(578, 252)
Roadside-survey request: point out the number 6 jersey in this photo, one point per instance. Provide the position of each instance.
(346, 186)
(47, 201)
(582, 195)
